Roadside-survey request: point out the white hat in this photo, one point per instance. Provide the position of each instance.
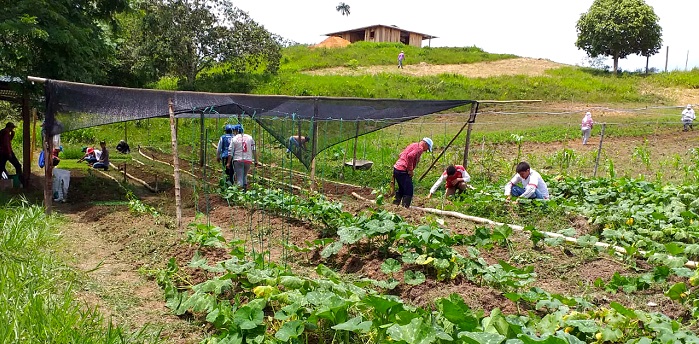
(588, 113)
(689, 106)
(429, 143)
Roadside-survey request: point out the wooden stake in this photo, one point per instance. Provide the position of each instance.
(599, 150)
(176, 163)
(314, 147)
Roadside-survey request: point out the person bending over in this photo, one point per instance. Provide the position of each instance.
(403, 170)
(457, 180)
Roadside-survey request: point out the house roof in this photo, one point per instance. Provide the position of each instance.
(424, 35)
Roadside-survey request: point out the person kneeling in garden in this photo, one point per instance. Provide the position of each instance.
(533, 186)
(457, 179)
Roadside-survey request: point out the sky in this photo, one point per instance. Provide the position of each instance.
(534, 28)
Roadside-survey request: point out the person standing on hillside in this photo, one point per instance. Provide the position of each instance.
(457, 179)
(533, 186)
(242, 153)
(6, 153)
(401, 57)
(586, 126)
(222, 151)
(404, 167)
(688, 118)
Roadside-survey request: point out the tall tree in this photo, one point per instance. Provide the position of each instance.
(184, 37)
(619, 28)
(63, 39)
(343, 8)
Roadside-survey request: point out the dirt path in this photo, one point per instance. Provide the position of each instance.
(518, 66)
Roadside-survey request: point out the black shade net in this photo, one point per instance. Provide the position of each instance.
(321, 121)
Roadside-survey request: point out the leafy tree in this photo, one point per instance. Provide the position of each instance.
(62, 39)
(619, 28)
(343, 8)
(184, 37)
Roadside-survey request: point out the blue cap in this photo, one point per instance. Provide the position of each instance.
(429, 143)
(228, 128)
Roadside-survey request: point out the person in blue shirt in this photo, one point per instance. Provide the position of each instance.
(222, 152)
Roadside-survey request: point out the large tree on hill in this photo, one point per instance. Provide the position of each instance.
(619, 28)
(184, 37)
(62, 39)
(343, 8)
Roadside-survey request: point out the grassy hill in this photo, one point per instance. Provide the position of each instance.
(301, 75)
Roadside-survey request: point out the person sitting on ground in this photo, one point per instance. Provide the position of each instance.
(123, 147)
(404, 167)
(103, 160)
(688, 118)
(533, 186)
(297, 141)
(457, 179)
(91, 155)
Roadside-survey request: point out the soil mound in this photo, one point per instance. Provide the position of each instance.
(332, 42)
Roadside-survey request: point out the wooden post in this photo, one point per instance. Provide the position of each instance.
(201, 139)
(34, 129)
(126, 133)
(599, 150)
(48, 170)
(472, 118)
(667, 55)
(354, 155)
(647, 60)
(176, 162)
(314, 147)
(26, 141)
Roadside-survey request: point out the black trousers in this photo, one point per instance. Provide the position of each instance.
(404, 194)
(4, 158)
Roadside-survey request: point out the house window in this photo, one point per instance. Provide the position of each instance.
(371, 34)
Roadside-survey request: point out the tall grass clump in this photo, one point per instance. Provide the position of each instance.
(36, 289)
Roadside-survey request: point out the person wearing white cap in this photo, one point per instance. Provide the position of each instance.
(688, 118)
(586, 126)
(404, 167)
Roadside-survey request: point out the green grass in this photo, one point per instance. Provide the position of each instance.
(301, 57)
(37, 303)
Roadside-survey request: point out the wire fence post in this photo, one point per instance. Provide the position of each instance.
(599, 150)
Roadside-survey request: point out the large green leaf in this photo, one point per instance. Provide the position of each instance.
(354, 325)
(416, 332)
(248, 318)
(481, 337)
(390, 266)
(414, 277)
(290, 330)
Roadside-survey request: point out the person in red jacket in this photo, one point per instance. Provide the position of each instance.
(403, 170)
(457, 179)
(6, 153)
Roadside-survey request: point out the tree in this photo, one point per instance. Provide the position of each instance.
(184, 37)
(619, 28)
(343, 8)
(61, 39)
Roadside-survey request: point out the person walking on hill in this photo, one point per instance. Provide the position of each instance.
(404, 167)
(533, 186)
(242, 153)
(688, 117)
(457, 179)
(586, 126)
(6, 153)
(401, 57)
(222, 151)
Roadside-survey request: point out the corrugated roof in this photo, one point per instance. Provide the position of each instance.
(424, 35)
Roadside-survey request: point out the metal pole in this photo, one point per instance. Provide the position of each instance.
(201, 139)
(354, 155)
(599, 150)
(667, 55)
(314, 147)
(686, 61)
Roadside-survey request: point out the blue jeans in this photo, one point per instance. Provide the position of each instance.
(518, 191)
(101, 165)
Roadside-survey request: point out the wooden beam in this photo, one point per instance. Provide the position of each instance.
(176, 163)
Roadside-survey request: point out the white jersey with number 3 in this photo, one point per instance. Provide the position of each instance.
(241, 148)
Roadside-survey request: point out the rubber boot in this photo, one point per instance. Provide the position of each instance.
(407, 200)
(396, 201)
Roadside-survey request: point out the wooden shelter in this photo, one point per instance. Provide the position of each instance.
(384, 33)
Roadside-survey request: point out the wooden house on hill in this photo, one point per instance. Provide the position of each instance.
(384, 33)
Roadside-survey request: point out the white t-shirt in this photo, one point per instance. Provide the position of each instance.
(532, 183)
(241, 148)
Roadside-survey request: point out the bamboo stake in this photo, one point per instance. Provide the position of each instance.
(127, 175)
(599, 150)
(690, 264)
(176, 163)
(164, 162)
